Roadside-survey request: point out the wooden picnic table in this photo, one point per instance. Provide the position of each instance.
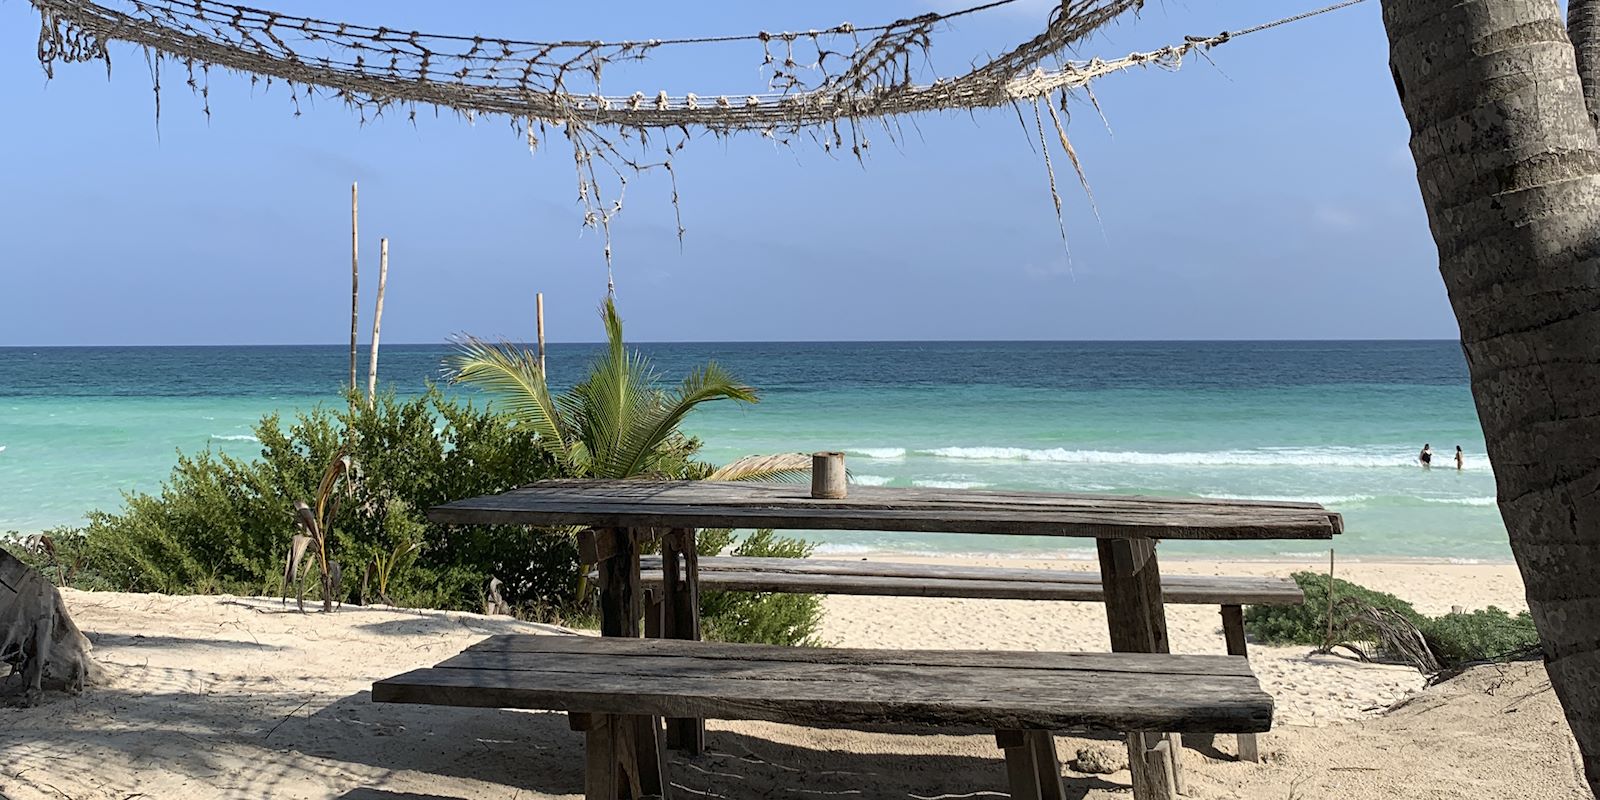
(618, 517)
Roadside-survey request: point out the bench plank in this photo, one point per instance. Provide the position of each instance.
(828, 576)
(628, 676)
(1162, 664)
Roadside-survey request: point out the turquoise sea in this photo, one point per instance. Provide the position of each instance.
(1338, 423)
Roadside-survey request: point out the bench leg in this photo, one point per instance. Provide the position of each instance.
(1233, 633)
(600, 759)
(680, 614)
(651, 756)
(623, 757)
(1022, 764)
(1158, 780)
(1045, 763)
(1137, 622)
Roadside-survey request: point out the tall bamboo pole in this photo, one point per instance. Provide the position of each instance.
(538, 303)
(355, 285)
(377, 322)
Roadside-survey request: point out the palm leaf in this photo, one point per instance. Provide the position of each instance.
(342, 466)
(297, 551)
(611, 402)
(513, 374)
(703, 385)
(781, 468)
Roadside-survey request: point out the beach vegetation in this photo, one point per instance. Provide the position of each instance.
(219, 523)
(315, 523)
(1370, 623)
(617, 421)
(1486, 634)
(759, 617)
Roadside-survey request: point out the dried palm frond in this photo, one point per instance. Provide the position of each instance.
(780, 467)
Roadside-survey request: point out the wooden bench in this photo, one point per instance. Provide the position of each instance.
(615, 689)
(828, 576)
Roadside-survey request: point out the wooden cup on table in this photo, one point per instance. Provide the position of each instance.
(828, 476)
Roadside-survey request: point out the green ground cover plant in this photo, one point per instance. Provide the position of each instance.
(1365, 620)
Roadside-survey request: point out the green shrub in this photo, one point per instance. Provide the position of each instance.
(1308, 623)
(1454, 639)
(223, 524)
(760, 617)
(1483, 635)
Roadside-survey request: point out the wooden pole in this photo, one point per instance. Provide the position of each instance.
(377, 322)
(1327, 641)
(538, 304)
(355, 285)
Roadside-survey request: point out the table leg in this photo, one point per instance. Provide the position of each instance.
(632, 743)
(1137, 622)
(680, 587)
(618, 572)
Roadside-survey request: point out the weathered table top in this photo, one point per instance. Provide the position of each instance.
(710, 504)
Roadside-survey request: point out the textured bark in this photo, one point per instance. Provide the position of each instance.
(1509, 167)
(1583, 28)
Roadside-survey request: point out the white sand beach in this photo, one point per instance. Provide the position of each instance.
(221, 697)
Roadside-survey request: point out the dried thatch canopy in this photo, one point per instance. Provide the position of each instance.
(816, 76)
(823, 81)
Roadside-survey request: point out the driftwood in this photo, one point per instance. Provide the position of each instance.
(37, 637)
(493, 603)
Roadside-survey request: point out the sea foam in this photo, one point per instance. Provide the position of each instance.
(234, 437)
(870, 480)
(1319, 499)
(880, 453)
(1302, 457)
(934, 484)
(1461, 501)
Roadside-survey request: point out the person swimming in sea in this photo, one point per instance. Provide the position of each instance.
(1460, 459)
(1426, 456)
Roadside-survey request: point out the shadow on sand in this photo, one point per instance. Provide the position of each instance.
(190, 725)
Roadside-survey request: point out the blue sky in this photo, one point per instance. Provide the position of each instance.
(1269, 195)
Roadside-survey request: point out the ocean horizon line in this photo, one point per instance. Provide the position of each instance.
(585, 342)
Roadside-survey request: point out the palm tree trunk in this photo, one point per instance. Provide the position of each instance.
(1509, 166)
(1583, 28)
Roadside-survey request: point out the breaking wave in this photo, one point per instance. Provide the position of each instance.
(1325, 500)
(1287, 457)
(933, 484)
(880, 453)
(1461, 501)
